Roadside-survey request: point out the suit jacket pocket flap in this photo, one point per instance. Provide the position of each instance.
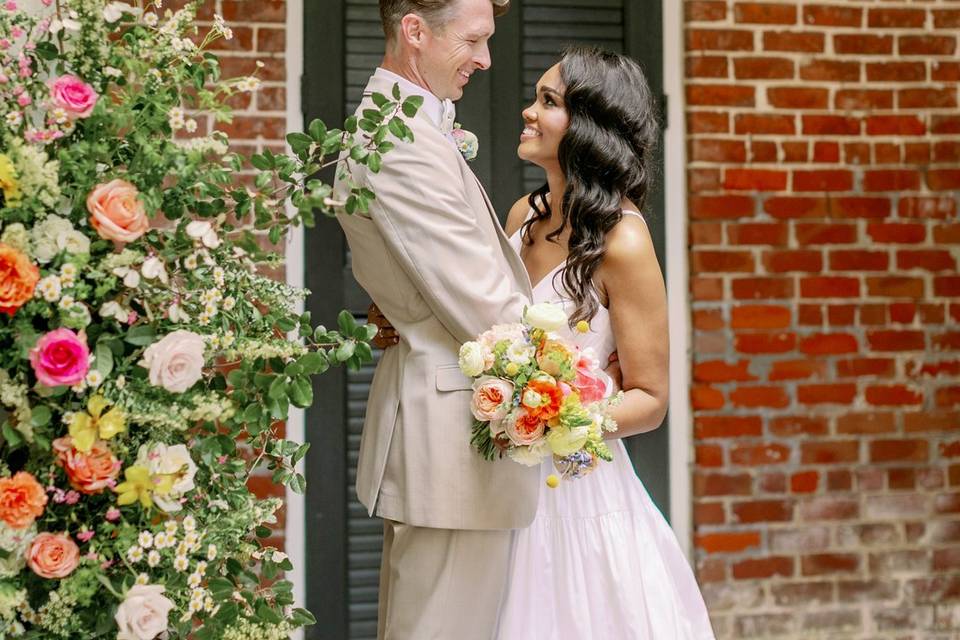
(450, 378)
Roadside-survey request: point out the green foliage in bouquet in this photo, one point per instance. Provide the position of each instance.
(145, 363)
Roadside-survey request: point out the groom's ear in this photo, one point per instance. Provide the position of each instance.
(412, 29)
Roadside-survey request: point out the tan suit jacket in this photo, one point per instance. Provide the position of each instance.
(434, 258)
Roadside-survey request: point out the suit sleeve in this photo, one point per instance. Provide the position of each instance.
(422, 211)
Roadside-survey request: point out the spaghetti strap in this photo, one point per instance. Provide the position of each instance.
(628, 212)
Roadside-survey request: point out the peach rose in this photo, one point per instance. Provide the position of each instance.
(116, 211)
(523, 428)
(491, 398)
(22, 500)
(53, 555)
(89, 472)
(18, 279)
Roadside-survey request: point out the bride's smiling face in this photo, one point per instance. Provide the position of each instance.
(545, 122)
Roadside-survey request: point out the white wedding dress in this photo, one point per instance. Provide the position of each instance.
(599, 560)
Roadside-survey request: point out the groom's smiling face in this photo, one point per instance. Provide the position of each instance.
(452, 51)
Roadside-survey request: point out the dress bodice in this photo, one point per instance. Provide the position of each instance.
(550, 289)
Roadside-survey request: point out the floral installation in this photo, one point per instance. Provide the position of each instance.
(536, 394)
(146, 361)
(467, 142)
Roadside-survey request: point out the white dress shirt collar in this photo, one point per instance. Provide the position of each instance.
(439, 111)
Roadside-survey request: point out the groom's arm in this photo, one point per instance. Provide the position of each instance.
(423, 213)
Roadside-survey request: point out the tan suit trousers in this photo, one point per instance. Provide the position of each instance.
(441, 584)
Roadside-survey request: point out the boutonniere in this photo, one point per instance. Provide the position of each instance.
(467, 142)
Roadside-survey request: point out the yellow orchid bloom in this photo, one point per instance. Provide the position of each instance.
(138, 486)
(8, 181)
(87, 426)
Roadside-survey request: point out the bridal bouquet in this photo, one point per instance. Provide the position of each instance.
(537, 394)
(145, 369)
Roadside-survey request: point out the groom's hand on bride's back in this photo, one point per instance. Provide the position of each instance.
(387, 335)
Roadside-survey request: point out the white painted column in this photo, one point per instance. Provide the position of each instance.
(295, 533)
(675, 188)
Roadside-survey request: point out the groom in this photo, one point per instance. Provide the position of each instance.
(435, 260)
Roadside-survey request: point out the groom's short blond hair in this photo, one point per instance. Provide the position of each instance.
(435, 12)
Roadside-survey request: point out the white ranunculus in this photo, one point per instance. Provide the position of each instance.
(173, 462)
(143, 613)
(565, 441)
(176, 361)
(546, 315)
(154, 269)
(471, 359)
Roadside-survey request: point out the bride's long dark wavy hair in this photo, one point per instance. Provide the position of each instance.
(606, 155)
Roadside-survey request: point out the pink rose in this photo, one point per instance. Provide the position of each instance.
(143, 613)
(176, 361)
(52, 555)
(74, 96)
(491, 398)
(523, 428)
(116, 211)
(61, 357)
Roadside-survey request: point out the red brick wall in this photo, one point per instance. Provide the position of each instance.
(824, 178)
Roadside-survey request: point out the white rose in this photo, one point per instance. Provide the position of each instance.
(176, 361)
(143, 613)
(546, 316)
(471, 359)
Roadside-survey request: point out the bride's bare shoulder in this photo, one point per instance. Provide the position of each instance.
(518, 213)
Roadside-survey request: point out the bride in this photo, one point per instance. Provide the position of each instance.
(599, 560)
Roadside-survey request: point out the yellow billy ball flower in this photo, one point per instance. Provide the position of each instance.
(512, 369)
(583, 326)
(553, 481)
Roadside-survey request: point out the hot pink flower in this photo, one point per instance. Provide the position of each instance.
(61, 357)
(73, 95)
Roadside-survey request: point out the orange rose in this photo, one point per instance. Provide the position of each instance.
(52, 555)
(21, 500)
(116, 211)
(89, 472)
(18, 279)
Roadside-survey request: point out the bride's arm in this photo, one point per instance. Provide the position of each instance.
(636, 298)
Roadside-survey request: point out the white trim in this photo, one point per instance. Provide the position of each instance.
(295, 533)
(675, 190)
